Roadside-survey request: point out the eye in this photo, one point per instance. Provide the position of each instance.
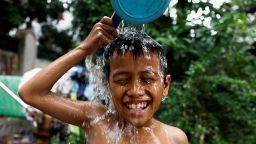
(122, 81)
(147, 80)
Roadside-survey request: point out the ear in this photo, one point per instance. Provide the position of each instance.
(167, 85)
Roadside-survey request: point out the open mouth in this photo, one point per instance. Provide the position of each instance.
(137, 105)
(136, 108)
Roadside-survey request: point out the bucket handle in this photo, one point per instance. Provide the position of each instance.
(116, 19)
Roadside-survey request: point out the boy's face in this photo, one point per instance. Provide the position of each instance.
(137, 86)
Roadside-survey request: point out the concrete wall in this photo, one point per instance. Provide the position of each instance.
(17, 63)
(27, 50)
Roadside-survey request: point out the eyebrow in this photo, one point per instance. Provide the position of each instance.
(149, 71)
(124, 72)
(118, 73)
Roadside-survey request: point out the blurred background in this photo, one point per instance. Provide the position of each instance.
(211, 51)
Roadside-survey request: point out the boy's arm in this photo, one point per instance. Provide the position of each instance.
(37, 91)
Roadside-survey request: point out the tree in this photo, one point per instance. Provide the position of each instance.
(86, 13)
(15, 13)
(213, 99)
(213, 94)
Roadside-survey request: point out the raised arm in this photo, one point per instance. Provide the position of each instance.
(37, 91)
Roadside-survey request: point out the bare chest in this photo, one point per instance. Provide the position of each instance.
(112, 135)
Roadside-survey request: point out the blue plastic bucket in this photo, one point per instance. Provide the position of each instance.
(139, 11)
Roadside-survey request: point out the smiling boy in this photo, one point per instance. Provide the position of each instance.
(134, 66)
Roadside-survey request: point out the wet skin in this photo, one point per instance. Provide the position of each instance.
(126, 96)
(132, 81)
(137, 87)
(111, 131)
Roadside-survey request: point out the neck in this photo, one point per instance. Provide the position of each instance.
(128, 127)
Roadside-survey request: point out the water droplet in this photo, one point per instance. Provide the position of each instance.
(125, 26)
(164, 98)
(103, 95)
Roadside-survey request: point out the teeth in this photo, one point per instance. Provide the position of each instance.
(137, 105)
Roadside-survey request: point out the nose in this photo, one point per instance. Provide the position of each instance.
(135, 89)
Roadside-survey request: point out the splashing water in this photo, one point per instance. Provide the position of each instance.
(94, 65)
(125, 26)
(164, 98)
(103, 95)
(98, 80)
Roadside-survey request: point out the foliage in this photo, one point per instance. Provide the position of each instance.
(213, 100)
(213, 91)
(212, 97)
(15, 13)
(53, 43)
(86, 13)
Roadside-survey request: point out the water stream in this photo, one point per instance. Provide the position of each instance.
(102, 94)
(94, 66)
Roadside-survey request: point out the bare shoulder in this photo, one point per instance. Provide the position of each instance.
(176, 135)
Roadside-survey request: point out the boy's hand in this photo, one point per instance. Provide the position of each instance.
(101, 34)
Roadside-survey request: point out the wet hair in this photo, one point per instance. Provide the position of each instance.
(138, 43)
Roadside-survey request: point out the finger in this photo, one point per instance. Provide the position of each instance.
(106, 20)
(102, 27)
(101, 36)
(107, 37)
(111, 30)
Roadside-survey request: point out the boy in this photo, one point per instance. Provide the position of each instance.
(135, 74)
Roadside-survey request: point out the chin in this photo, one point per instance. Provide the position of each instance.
(138, 122)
